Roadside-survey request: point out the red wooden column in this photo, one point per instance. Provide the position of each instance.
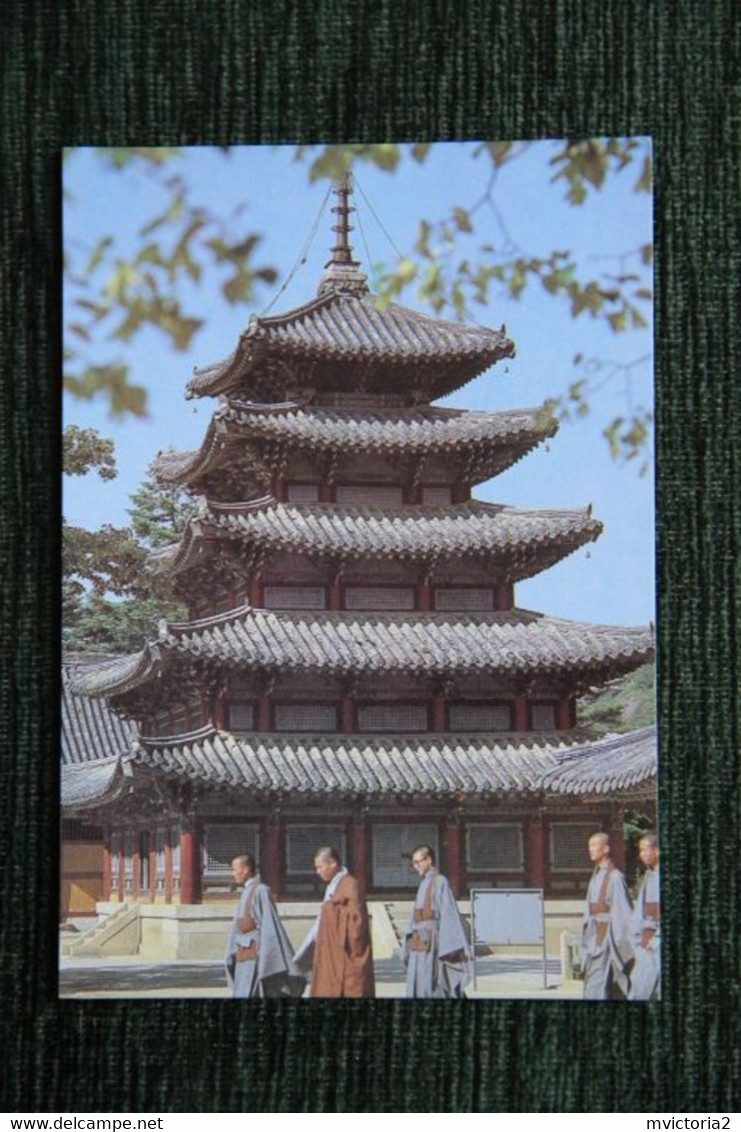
(271, 857)
(536, 858)
(438, 720)
(279, 488)
(564, 714)
(453, 863)
(617, 840)
(219, 712)
(190, 863)
(255, 595)
(359, 837)
(135, 865)
(121, 879)
(168, 866)
(107, 877)
(152, 865)
(521, 720)
(264, 713)
(460, 493)
(505, 596)
(424, 594)
(334, 593)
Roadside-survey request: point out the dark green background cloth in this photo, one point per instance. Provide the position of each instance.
(148, 72)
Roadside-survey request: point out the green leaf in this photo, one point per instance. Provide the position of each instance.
(462, 220)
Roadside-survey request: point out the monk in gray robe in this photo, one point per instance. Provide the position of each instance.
(435, 948)
(259, 957)
(606, 947)
(645, 926)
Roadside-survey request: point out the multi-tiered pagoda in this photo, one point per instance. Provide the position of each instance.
(354, 668)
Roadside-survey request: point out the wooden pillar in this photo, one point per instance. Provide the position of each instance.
(617, 840)
(107, 878)
(424, 595)
(264, 713)
(121, 879)
(564, 714)
(438, 712)
(453, 863)
(135, 864)
(254, 594)
(279, 488)
(168, 866)
(411, 493)
(152, 865)
(347, 711)
(326, 493)
(536, 857)
(460, 493)
(521, 714)
(220, 712)
(271, 857)
(190, 864)
(505, 596)
(359, 854)
(334, 593)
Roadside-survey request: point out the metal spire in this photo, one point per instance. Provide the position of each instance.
(341, 270)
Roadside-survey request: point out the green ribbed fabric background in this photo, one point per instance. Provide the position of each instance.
(159, 71)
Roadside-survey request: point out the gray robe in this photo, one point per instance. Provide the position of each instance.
(605, 944)
(271, 974)
(445, 969)
(645, 927)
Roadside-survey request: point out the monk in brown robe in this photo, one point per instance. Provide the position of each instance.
(339, 941)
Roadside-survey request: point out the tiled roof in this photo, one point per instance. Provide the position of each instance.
(93, 741)
(500, 438)
(619, 762)
(517, 642)
(317, 766)
(90, 730)
(356, 764)
(507, 536)
(84, 785)
(348, 331)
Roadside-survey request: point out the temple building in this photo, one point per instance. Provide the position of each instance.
(354, 668)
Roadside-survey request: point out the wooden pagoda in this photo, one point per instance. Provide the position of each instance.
(354, 668)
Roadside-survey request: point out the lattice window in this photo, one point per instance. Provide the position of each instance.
(160, 841)
(392, 853)
(303, 493)
(222, 843)
(379, 597)
(543, 717)
(294, 597)
(116, 857)
(470, 599)
(128, 859)
(480, 717)
(569, 846)
(305, 717)
(381, 495)
(241, 716)
(302, 842)
(436, 496)
(495, 848)
(175, 842)
(392, 717)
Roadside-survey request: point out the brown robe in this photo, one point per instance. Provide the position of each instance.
(343, 958)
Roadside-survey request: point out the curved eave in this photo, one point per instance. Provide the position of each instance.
(340, 330)
(527, 541)
(499, 439)
(91, 784)
(113, 678)
(624, 763)
(321, 766)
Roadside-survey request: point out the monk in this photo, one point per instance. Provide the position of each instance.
(606, 946)
(435, 948)
(339, 943)
(645, 926)
(259, 957)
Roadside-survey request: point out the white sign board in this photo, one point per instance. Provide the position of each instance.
(507, 915)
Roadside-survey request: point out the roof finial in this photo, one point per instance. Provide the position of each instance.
(342, 272)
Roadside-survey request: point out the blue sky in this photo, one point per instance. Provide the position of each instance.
(265, 190)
